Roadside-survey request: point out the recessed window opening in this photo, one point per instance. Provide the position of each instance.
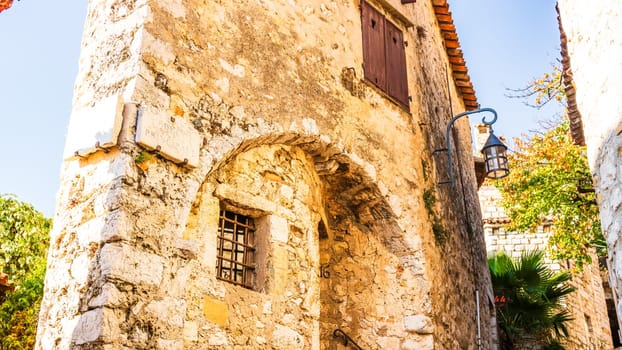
(588, 323)
(235, 261)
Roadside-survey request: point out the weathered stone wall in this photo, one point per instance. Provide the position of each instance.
(589, 328)
(353, 230)
(595, 52)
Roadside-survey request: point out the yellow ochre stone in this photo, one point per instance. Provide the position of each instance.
(215, 311)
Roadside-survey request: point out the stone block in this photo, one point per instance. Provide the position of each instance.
(215, 311)
(419, 324)
(245, 199)
(168, 344)
(424, 343)
(96, 325)
(171, 311)
(267, 308)
(120, 261)
(188, 248)
(109, 296)
(117, 226)
(81, 268)
(280, 263)
(173, 138)
(420, 343)
(286, 338)
(191, 331)
(91, 231)
(279, 229)
(388, 342)
(94, 126)
(217, 338)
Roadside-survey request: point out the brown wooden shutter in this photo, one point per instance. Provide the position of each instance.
(397, 81)
(374, 60)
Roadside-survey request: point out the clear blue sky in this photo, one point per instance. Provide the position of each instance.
(40, 45)
(506, 43)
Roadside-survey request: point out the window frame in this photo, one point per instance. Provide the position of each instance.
(241, 269)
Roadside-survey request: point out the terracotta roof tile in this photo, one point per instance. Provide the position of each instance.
(574, 116)
(462, 76)
(444, 18)
(452, 44)
(456, 58)
(459, 68)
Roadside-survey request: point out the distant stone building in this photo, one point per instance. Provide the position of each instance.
(262, 175)
(592, 60)
(590, 328)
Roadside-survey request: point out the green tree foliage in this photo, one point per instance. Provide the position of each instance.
(24, 239)
(532, 313)
(550, 181)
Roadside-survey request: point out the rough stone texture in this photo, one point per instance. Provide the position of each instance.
(594, 48)
(353, 230)
(589, 328)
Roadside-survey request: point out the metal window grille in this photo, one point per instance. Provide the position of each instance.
(235, 261)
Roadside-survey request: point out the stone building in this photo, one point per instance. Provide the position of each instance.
(590, 327)
(592, 60)
(262, 175)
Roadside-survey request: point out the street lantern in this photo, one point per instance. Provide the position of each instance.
(495, 158)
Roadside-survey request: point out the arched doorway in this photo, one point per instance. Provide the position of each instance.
(327, 251)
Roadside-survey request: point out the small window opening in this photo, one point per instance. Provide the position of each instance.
(588, 323)
(235, 261)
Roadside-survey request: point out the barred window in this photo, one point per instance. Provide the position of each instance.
(235, 262)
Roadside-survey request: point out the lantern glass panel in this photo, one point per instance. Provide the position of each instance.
(496, 161)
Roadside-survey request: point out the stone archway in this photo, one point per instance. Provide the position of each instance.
(368, 286)
(331, 254)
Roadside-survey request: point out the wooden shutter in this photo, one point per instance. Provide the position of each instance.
(397, 81)
(374, 60)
